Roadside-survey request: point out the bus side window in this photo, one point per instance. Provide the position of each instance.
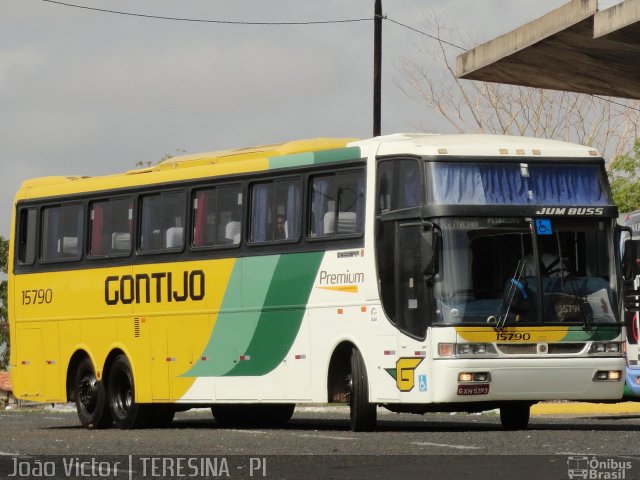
(399, 185)
(337, 204)
(276, 213)
(162, 222)
(62, 228)
(216, 215)
(110, 227)
(27, 236)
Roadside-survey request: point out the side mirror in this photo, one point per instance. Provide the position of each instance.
(631, 260)
(430, 250)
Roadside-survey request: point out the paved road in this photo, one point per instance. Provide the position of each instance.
(316, 443)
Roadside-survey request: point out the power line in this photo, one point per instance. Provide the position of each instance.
(425, 34)
(614, 102)
(244, 22)
(202, 20)
(280, 23)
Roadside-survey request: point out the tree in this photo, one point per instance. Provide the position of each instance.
(166, 156)
(624, 175)
(482, 107)
(4, 327)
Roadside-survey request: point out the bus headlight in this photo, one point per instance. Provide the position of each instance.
(603, 348)
(466, 349)
(466, 377)
(470, 349)
(607, 376)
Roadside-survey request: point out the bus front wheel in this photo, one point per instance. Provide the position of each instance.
(362, 413)
(90, 394)
(125, 411)
(515, 416)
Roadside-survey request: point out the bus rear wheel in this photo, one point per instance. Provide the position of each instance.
(362, 413)
(125, 411)
(91, 397)
(515, 416)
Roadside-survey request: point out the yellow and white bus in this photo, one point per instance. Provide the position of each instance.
(415, 272)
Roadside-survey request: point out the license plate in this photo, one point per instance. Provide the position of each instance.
(479, 389)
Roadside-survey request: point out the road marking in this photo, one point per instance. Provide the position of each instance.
(7, 454)
(444, 445)
(327, 437)
(244, 431)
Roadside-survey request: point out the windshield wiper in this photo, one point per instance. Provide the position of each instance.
(578, 293)
(515, 284)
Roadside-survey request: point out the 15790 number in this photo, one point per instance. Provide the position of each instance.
(37, 296)
(513, 336)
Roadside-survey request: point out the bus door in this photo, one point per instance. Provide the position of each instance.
(403, 287)
(400, 264)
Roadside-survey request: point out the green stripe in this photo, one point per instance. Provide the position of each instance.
(315, 158)
(339, 154)
(261, 314)
(294, 160)
(238, 319)
(601, 333)
(291, 285)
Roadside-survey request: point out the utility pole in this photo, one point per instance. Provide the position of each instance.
(377, 65)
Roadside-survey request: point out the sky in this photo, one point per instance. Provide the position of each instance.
(89, 93)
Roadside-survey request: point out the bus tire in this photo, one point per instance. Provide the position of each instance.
(362, 413)
(126, 413)
(515, 416)
(91, 398)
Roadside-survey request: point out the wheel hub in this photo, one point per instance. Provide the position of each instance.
(87, 392)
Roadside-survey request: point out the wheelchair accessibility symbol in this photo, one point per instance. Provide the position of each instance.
(422, 383)
(543, 226)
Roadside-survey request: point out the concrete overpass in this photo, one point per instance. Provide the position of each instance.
(574, 48)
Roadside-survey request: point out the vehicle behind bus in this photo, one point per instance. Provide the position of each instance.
(632, 322)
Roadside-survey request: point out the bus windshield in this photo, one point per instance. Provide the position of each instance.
(492, 270)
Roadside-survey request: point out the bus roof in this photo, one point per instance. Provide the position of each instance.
(199, 165)
(480, 145)
(303, 152)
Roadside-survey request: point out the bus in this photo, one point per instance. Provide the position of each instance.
(632, 322)
(415, 272)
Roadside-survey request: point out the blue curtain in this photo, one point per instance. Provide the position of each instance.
(360, 205)
(260, 212)
(503, 184)
(320, 200)
(458, 184)
(567, 185)
(294, 211)
(411, 185)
